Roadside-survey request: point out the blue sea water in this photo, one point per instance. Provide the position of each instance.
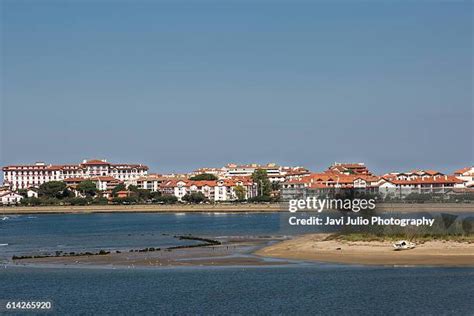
(27, 234)
(39, 234)
(305, 290)
(302, 289)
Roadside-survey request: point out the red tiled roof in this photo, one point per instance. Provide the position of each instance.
(103, 178)
(95, 162)
(202, 183)
(428, 180)
(463, 170)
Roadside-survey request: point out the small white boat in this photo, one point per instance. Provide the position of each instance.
(4, 218)
(404, 245)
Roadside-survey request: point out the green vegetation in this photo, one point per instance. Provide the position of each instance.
(204, 176)
(194, 198)
(260, 177)
(240, 193)
(53, 189)
(261, 199)
(31, 201)
(140, 194)
(445, 227)
(87, 188)
(120, 187)
(23, 192)
(78, 201)
(165, 199)
(395, 237)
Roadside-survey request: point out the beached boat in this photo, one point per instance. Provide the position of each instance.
(403, 245)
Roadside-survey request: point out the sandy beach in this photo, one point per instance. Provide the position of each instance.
(315, 247)
(244, 207)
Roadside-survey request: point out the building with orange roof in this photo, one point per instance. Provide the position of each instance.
(123, 194)
(466, 174)
(424, 184)
(10, 198)
(350, 168)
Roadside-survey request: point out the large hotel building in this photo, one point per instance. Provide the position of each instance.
(25, 176)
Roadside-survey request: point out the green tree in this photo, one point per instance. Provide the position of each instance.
(132, 188)
(276, 186)
(203, 176)
(195, 197)
(23, 192)
(52, 189)
(141, 194)
(119, 187)
(260, 199)
(155, 195)
(87, 188)
(264, 186)
(31, 201)
(240, 192)
(165, 199)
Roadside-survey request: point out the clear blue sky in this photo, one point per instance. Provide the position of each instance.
(183, 84)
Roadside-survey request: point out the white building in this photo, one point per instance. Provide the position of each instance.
(26, 176)
(10, 198)
(151, 182)
(220, 190)
(275, 172)
(32, 193)
(422, 184)
(466, 174)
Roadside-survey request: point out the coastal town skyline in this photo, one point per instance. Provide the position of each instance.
(232, 182)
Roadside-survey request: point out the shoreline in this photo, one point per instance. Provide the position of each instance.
(232, 252)
(269, 251)
(316, 248)
(204, 208)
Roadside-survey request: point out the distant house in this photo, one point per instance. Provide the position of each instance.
(214, 190)
(466, 174)
(104, 183)
(358, 168)
(123, 194)
(10, 198)
(422, 184)
(32, 192)
(151, 182)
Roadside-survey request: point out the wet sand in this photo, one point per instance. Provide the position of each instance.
(258, 251)
(232, 252)
(315, 247)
